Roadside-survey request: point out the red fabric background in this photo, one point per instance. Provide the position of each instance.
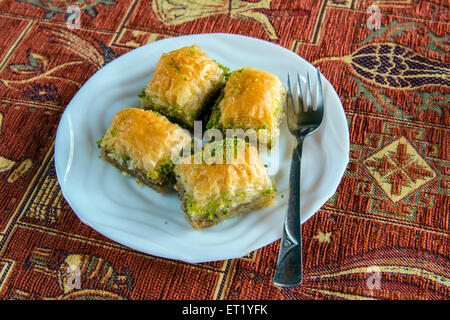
(390, 213)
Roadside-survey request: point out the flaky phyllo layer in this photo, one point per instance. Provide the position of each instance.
(144, 140)
(251, 99)
(220, 181)
(184, 83)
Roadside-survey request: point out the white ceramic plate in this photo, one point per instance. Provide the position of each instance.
(142, 219)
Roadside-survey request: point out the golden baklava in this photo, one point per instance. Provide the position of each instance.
(185, 83)
(144, 144)
(225, 179)
(251, 99)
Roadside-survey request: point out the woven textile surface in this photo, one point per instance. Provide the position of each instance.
(383, 235)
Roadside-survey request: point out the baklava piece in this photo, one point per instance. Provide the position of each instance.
(251, 99)
(211, 190)
(144, 144)
(185, 85)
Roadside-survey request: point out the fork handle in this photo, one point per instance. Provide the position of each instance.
(288, 271)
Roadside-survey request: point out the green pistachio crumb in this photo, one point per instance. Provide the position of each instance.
(166, 167)
(152, 174)
(174, 65)
(99, 142)
(142, 94)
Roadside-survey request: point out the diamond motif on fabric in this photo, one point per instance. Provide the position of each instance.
(399, 169)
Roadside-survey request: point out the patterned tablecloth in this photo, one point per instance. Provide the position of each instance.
(385, 232)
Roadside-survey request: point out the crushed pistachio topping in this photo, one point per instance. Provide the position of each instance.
(113, 132)
(142, 93)
(173, 64)
(99, 142)
(226, 70)
(166, 167)
(152, 174)
(191, 52)
(214, 120)
(269, 191)
(210, 208)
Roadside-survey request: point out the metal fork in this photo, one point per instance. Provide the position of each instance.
(301, 122)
